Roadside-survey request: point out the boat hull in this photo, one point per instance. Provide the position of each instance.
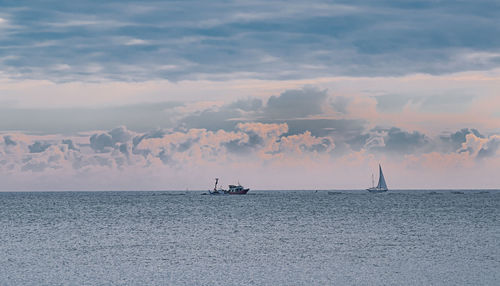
(239, 192)
(376, 190)
(224, 192)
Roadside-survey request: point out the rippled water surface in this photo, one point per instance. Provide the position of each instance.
(263, 238)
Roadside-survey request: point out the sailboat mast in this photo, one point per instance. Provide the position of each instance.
(373, 181)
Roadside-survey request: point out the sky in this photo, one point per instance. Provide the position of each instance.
(168, 95)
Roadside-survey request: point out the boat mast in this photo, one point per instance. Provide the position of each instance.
(216, 181)
(373, 182)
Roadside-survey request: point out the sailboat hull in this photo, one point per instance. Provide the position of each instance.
(376, 190)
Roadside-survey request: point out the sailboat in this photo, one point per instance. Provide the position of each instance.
(382, 186)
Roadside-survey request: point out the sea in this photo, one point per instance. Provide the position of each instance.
(342, 237)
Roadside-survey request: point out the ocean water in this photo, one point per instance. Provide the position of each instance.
(264, 238)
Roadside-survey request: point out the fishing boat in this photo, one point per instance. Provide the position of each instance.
(233, 189)
(237, 190)
(382, 186)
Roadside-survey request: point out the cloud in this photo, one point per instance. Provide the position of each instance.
(133, 42)
(440, 103)
(115, 139)
(251, 148)
(246, 144)
(304, 143)
(256, 135)
(139, 116)
(101, 143)
(392, 141)
(298, 108)
(212, 119)
(69, 142)
(489, 149)
(453, 142)
(8, 140)
(217, 40)
(481, 147)
(249, 104)
(296, 103)
(34, 166)
(38, 147)
(475, 145)
(289, 105)
(122, 148)
(340, 128)
(340, 103)
(399, 141)
(120, 135)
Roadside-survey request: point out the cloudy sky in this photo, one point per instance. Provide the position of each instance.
(156, 95)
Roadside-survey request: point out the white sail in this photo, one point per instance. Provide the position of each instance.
(381, 186)
(381, 179)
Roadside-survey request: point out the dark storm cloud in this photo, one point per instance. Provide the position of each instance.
(128, 40)
(38, 147)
